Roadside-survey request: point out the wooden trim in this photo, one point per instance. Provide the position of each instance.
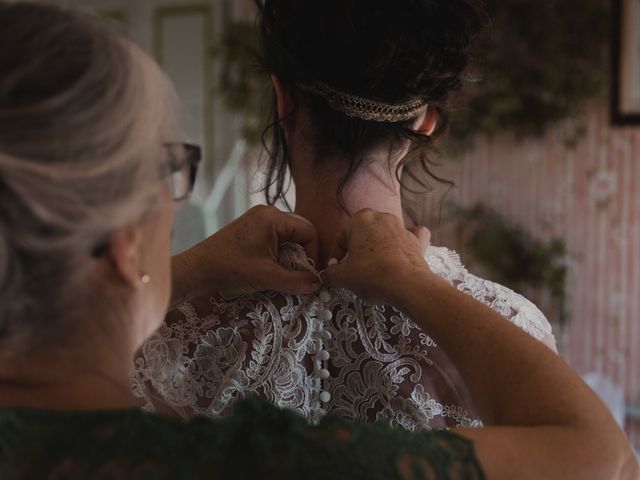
(618, 117)
(118, 15)
(159, 16)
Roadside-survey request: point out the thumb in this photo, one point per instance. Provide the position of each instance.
(336, 276)
(294, 228)
(341, 245)
(291, 282)
(424, 237)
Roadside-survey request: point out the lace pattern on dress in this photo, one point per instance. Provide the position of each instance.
(212, 352)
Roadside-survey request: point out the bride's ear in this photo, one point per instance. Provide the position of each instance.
(284, 102)
(427, 122)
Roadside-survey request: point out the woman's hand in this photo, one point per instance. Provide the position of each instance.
(243, 257)
(381, 256)
(544, 422)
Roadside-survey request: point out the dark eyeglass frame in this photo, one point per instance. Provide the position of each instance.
(192, 159)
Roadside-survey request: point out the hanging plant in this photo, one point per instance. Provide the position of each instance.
(509, 255)
(536, 64)
(244, 88)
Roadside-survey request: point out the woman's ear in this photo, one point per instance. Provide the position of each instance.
(123, 255)
(427, 123)
(284, 102)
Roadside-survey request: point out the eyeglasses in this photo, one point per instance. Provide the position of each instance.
(184, 159)
(181, 172)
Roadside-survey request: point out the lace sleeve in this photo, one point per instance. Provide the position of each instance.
(511, 305)
(168, 375)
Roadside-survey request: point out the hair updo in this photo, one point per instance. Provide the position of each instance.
(388, 51)
(82, 112)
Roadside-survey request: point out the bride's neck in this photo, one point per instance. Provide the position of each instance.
(374, 186)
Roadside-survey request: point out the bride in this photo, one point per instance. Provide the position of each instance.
(360, 91)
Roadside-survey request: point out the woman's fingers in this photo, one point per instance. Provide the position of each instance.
(290, 227)
(377, 245)
(381, 253)
(341, 244)
(290, 282)
(335, 276)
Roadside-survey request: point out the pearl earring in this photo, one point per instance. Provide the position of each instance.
(145, 279)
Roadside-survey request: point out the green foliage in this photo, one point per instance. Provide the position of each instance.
(537, 63)
(511, 256)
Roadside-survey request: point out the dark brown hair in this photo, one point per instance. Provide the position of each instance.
(390, 51)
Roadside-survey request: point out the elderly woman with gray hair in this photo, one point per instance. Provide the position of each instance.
(90, 164)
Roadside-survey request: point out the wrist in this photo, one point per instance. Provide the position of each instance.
(189, 275)
(413, 287)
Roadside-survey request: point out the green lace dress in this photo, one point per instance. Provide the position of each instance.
(256, 441)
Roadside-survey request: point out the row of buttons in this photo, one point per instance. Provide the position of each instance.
(323, 356)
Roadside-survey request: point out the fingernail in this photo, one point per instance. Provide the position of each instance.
(332, 262)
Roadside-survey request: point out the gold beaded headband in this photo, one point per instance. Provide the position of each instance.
(363, 108)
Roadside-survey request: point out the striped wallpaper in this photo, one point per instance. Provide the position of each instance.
(589, 195)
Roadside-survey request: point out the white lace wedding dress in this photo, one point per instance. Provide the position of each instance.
(318, 354)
